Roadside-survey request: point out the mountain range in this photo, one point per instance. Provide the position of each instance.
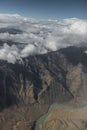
(41, 80)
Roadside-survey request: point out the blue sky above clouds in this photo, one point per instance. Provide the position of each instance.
(55, 9)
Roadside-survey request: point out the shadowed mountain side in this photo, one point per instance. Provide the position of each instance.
(75, 55)
(48, 78)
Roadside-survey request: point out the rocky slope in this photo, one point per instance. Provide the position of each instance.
(41, 80)
(54, 77)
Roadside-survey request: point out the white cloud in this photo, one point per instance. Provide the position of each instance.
(9, 53)
(39, 36)
(28, 50)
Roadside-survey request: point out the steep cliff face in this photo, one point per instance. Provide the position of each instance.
(54, 77)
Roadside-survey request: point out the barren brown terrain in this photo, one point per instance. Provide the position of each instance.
(60, 117)
(21, 118)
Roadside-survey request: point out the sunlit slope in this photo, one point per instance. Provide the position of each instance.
(60, 117)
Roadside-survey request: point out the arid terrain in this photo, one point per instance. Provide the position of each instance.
(21, 118)
(28, 89)
(61, 117)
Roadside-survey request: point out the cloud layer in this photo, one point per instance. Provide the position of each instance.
(34, 36)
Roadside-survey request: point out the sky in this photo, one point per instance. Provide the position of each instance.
(45, 9)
